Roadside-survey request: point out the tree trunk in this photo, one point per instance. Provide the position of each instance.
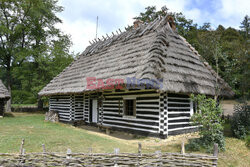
(40, 104)
(8, 104)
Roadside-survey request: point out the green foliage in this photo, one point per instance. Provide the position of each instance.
(194, 145)
(183, 24)
(32, 49)
(210, 121)
(240, 123)
(23, 97)
(225, 49)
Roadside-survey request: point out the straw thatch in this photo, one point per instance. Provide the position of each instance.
(4, 93)
(150, 51)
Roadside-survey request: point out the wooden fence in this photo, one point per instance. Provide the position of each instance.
(28, 109)
(108, 159)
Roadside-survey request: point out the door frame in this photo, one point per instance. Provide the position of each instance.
(91, 111)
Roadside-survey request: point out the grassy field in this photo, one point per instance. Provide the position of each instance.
(57, 137)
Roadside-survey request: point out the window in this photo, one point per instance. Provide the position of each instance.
(193, 108)
(129, 107)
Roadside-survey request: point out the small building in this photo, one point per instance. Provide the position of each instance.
(139, 80)
(4, 96)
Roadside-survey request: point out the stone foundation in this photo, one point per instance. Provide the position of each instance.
(52, 116)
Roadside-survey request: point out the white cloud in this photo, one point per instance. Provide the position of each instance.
(232, 12)
(81, 32)
(79, 17)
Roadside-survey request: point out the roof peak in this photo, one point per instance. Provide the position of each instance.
(136, 24)
(130, 32)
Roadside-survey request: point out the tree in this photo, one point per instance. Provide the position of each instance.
(225, 49)
(245, 80)
(245, 27)
(209, 120)
(28, 36)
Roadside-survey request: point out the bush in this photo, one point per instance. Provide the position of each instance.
(194, 145)
(240, 123)
(210, 121)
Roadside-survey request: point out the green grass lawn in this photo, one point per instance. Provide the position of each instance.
(57, 137)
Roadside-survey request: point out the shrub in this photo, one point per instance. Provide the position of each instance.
(210, 121)
(240, 123)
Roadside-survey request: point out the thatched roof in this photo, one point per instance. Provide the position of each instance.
(150, 51)
(4, 93)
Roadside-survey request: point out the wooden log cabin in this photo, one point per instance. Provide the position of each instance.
(4, 96)
(148, 51)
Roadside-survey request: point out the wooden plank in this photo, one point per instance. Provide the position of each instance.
(132, 123)
(178, 98)
(178, 112)
(171, 102)
(147, 115)
(138, 119)
(145, 130)
(179, 108)
(178, 123)
(182, 128)
(145, 109)
(149, 100)
(178, 118)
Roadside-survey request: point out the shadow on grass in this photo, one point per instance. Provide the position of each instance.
(227, 129)
(114, 133)
(8, 115)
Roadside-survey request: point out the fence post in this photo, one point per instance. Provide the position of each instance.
(216, 151)
(90, 150)
(116, 151)
(21, 147)
(22, 151)
(44, 155)
(44, 150)
(139, 148)
(69, 152)
(158, 154)
(139, 154)
(182, 147)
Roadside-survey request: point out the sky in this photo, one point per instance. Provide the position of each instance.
(79, 16)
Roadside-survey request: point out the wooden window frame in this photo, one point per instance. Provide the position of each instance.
(134, 107)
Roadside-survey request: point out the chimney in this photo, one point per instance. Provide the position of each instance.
(171, 22)
(137, 23)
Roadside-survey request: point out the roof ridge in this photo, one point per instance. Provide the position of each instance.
(155, 54)
(97, 44)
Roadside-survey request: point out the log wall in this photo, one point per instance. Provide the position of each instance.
(179, 113)
(79, 108)
(156, 113)
(147, 111)
(62, 105)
